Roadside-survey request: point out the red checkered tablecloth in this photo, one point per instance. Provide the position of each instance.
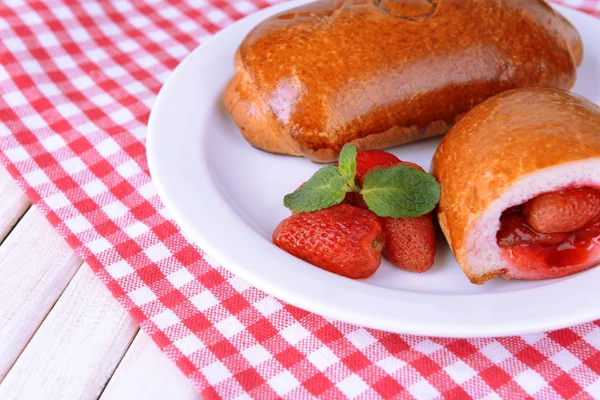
(77, 81)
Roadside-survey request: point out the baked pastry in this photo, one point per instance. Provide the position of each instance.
(380, 73)
(520, 158)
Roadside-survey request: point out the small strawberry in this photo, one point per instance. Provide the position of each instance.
(562, 211)
(410, 242)
(514, 231)
(341, 239)
(367, 161)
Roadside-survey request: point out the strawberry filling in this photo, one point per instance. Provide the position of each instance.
(571, 245)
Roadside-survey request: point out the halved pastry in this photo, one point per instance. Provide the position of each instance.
(520, 178)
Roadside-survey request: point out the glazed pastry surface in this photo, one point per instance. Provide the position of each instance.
(379, 73)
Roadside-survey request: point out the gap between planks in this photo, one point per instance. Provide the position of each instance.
(76, 349)
(51, 310)
(35, 267)
(145, 372)
(13, 203)
(70, 347)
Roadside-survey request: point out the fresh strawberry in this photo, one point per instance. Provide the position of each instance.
(368, 160)
(341, 239)
(514, 231)
(410, 242)
(562, 211)
(355, 199)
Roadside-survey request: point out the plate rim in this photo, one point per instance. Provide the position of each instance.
(206, 242)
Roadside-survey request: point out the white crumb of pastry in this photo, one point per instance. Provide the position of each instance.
(483, 253)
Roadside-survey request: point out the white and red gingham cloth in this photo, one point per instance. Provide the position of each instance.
(77, 80)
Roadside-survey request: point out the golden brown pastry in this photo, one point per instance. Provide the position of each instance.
(380, 73)
(520, 179)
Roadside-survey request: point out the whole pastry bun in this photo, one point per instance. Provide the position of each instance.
(380, 73)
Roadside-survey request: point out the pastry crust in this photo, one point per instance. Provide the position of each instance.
(504, 152)
(380, 73)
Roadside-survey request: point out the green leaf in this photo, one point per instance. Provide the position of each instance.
(347, 160)
(327, 187)
(400, 192)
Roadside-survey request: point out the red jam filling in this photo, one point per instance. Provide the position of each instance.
(543, 255)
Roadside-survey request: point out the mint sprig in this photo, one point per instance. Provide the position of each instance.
(347, 161)
(398, 191)
(327, 187)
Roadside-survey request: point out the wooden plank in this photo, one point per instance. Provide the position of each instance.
(147, 373)
(13, 203)
(35, 267)
(77, 347)
(71, 356)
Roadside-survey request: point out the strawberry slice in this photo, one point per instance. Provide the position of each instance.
(514, 231)
(562, 211)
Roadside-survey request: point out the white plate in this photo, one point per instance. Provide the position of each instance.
(227, 197)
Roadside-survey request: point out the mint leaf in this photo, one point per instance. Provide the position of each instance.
(400, 192)
(327, 187)
(347, 160)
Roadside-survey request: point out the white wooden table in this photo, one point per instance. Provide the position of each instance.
(62, 334)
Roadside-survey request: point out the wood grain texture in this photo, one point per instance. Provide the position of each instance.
(146, 373)
(35, 267)
(77, 347)
(13, 203)
(82, 337)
